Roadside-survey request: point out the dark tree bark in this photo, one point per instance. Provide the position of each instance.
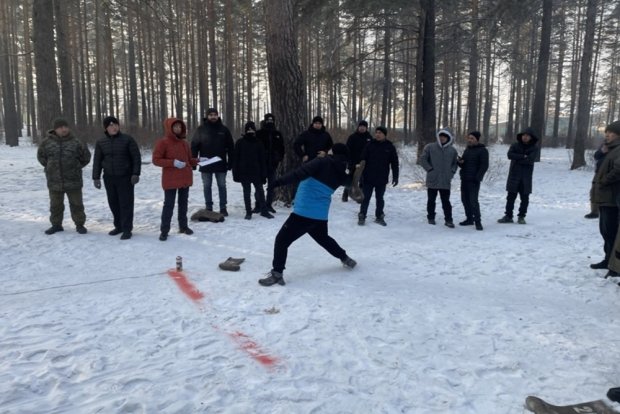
(64, 61)
(48, 100)
(286, 84)
(472, 107)
(583, 103)
(426, 83)
(540, 92)
(7, 82)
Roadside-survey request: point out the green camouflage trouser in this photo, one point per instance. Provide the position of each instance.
(76, 206)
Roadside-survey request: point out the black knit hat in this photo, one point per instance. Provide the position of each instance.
(362, 123)
(270, 117)
(318, 119)
(212, 110)
(614, 127)
(249, 125)
(475, 134)
(109, 120)
(60, 122)
(382, 129)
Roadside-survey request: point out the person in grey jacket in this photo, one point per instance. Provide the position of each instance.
(439, 161)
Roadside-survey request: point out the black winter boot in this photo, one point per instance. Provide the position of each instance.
(348, 262)
(186, 230)
(478, 226)
(506, 219)
(600, 265)
(361, 219)
(54, 229)
(467, 222)
(272, 278)
(381, 220)
(163, 236)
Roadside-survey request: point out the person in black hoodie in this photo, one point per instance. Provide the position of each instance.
(213, 139)
(522, 155)
(474, 164)
(314, 142)
(118, 156)
(356, 143)
(273, 143)
(378, 157)
(250, 168)
(318, 179)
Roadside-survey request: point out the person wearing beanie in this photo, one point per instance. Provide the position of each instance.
(474, 163)
(273, 143)
(606, 190)
(318, 179)
(250, 169)
(439, 160)
(522, 155)
(314, 142)
(378, 157)
(173, 154)
(118, 157)
(356, 143)
(213, 139)
(63, 156)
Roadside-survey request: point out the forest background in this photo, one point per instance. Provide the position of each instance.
(491, 65)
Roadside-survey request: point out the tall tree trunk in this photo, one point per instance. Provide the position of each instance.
(286, 84)
(11, 124)
(48, 100)
(30, 102)
(472, 107)
(64, 61)
(426, 84)
(212, 22)
(387, 75)
(230, 65)
(132, 120)
(558, 87)
(583, 104)
(540, 92)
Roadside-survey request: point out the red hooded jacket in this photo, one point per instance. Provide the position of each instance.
(169, 148)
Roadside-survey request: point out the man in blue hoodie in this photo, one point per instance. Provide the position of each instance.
(318, 179)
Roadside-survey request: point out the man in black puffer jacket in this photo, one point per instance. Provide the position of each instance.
(314, 142)
(273, 142)
(118, 156)
(522, 155)
(213, 139)
(474, 164)
(356, 143)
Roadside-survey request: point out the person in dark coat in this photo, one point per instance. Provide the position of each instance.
(522, 155)
(173, 154)
(318, 179)
(599, 156)
(606, 195)
(356, 143)
(64, 156)
(250, 168)
(273, 143)
(439, 161)
(474, 164)
(213, 139)
(118, 156)
(314, 142)
(378, 157)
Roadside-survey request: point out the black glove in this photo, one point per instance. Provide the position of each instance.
(395, 182)
(135, 179)
(97, 184)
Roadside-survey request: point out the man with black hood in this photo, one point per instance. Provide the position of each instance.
(474, 164)
(118, 156)
(313, 142)
(522, 155)
(213, 139)
(273, 143)
(356, 143)
(250, 169)
(318, 179)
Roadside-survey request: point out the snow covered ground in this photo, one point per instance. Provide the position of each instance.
(432, 320)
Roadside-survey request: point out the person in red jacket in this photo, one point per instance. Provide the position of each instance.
(172, 152)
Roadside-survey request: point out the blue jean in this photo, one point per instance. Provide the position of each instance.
(207, 181)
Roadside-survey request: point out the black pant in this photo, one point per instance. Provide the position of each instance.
(608, 226)
(379, 190)
(259, 194)
(166, 213)
(120, 199)
(469, 197)
(525, 201)
(296, 226)
(445, 203)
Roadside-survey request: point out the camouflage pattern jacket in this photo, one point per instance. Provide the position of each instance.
(63, 159)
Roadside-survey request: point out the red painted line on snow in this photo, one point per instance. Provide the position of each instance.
(248, 345)
(244, 342)
(185, 285)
